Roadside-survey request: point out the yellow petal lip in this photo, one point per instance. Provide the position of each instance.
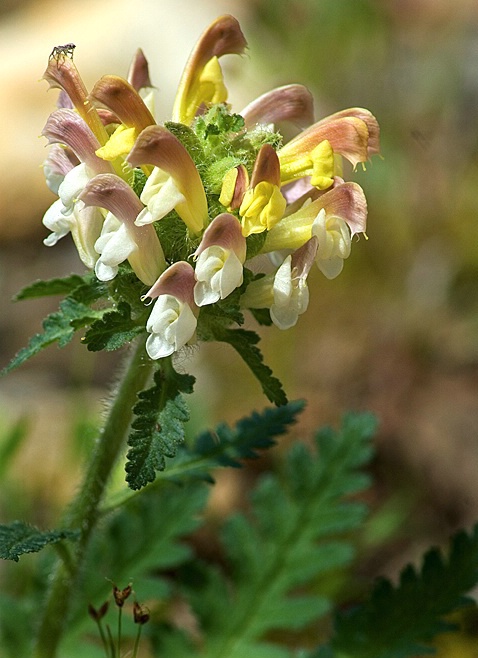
(121, 97)
(119, 144)
(223, 36)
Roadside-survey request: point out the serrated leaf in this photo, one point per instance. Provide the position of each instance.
(40, 288)
(18, 538)
(399, 621)
(113, 330)
(158, 426)
(58, 327)
(244, 342)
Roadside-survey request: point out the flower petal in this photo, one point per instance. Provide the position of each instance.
(292, 103)
(159, 147)
(222, 37)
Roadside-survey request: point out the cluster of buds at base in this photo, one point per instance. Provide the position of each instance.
(141, 617)
(212, 207)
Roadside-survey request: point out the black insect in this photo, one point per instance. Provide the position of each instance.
(66, 50)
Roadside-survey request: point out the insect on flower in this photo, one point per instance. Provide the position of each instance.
(66, 50)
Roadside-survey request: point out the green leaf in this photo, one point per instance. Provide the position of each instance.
(52, 287)
(58, 327)
(226, 446)
(18, 538)
(244, 342)
(140, 538)
(279, 559)
(399, 621)
(158, 426)
(113, 330)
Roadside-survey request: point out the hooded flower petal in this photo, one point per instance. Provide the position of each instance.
(373, 145)
(220, 258)
(157, 146)
(140, 245)
(202, 82)
(172, 322)
(293, 103)
(59, 162)
(124, 101)
(61, 73)
(346, 135)
(65, 126)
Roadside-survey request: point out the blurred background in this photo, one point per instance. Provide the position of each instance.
(396, 333)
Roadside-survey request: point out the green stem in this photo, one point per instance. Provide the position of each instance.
(83, 512)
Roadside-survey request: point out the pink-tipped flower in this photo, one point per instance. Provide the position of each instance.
(120, 239)
(353, 134)
(263, 204)
(174, 183)
(66, 127)
(126, 104)
(138, 73)
(202, 81)
(292, 103)
(220, 258)
(172, 322)
(284, 292)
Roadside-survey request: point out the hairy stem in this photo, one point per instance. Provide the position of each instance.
(83, 512)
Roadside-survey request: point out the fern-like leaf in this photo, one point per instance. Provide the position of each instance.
(293, 540)
(158, 426)
(399, 621)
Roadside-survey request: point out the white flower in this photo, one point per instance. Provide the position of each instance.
(114, 246)
(171, 325)
(160, 195)
(218, 272)
(59, 223)
(172, 322)
(334, 238)
(291, 296)
(220, 258)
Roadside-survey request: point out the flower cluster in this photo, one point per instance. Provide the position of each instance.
(211, 211)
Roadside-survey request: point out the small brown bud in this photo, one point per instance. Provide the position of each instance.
(99, 613)
(120, 595)
(140, 614)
